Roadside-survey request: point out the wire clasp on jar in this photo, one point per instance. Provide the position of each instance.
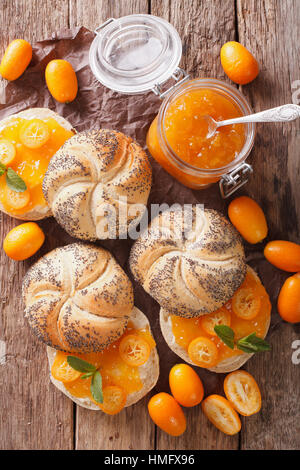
(179, 75)
(234, 180)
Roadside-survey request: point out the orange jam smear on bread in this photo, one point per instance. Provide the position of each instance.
(33, 148)
(186, 130)
(186, 330)
(114, 370)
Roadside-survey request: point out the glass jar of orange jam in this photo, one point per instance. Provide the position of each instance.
(139, 53)
(177, 138)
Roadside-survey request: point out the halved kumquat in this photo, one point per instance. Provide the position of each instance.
(34, 134)
(242, 392)
(61, 370)
(221, 414)
(13, 200)
(7, 152)
(134, 350)
(245, 303)
(203, 352)
(167, 414)
(219, 317)
(114, 400)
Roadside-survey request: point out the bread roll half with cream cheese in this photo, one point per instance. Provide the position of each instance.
(148, 372)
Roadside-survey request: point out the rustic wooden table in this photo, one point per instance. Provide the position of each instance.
(34, 415)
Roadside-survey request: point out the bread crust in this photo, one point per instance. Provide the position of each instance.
(190, 273)
(228, 365)
(88, 180)
(77, 298)
(38, 212)
(149, 372)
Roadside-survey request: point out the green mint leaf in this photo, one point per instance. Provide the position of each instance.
(226, 334)
(2, 169)
(80, 364)
(253, 344)
(14, 181)
(87, 375)
(96, 387)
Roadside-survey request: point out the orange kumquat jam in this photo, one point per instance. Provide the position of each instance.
(186, 330)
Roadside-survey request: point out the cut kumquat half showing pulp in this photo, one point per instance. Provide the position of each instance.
(203, 352)
(114, 400)
(246, 304)
(15, 200)
(7, 152)
(61, 370)
(34, 134)
(242, 392)
(134, 350)
(221, 414)
(220, 317)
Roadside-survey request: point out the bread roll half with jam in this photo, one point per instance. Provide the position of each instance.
(136, 381)
(28, 141)
(180, 332)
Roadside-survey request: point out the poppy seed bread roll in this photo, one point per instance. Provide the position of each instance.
(77, 298)
(98, 184)
(191, 265)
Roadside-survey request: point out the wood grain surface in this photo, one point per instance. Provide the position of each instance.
(34, 414)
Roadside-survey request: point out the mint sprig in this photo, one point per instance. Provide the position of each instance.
(13, 180)
(253, 344)
(88, 370)
(249, 344)
(226, 334)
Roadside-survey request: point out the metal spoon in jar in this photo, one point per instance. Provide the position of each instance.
(287, 112)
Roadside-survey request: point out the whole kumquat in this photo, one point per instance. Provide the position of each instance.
(284, 255)
(288, 303)
(167, 414)
(16, 59)
(248, 218)
(221, 414)
(242, 392)
(23, 241)
(186, 386)
(61, 80)
(238, 63)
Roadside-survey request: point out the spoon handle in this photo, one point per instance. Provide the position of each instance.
(287, 112)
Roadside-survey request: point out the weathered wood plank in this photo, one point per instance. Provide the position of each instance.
(33, 414)
(271, 30)
(132, 429)
(203, 27)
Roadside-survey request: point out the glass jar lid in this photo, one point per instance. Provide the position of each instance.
(135, 53)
